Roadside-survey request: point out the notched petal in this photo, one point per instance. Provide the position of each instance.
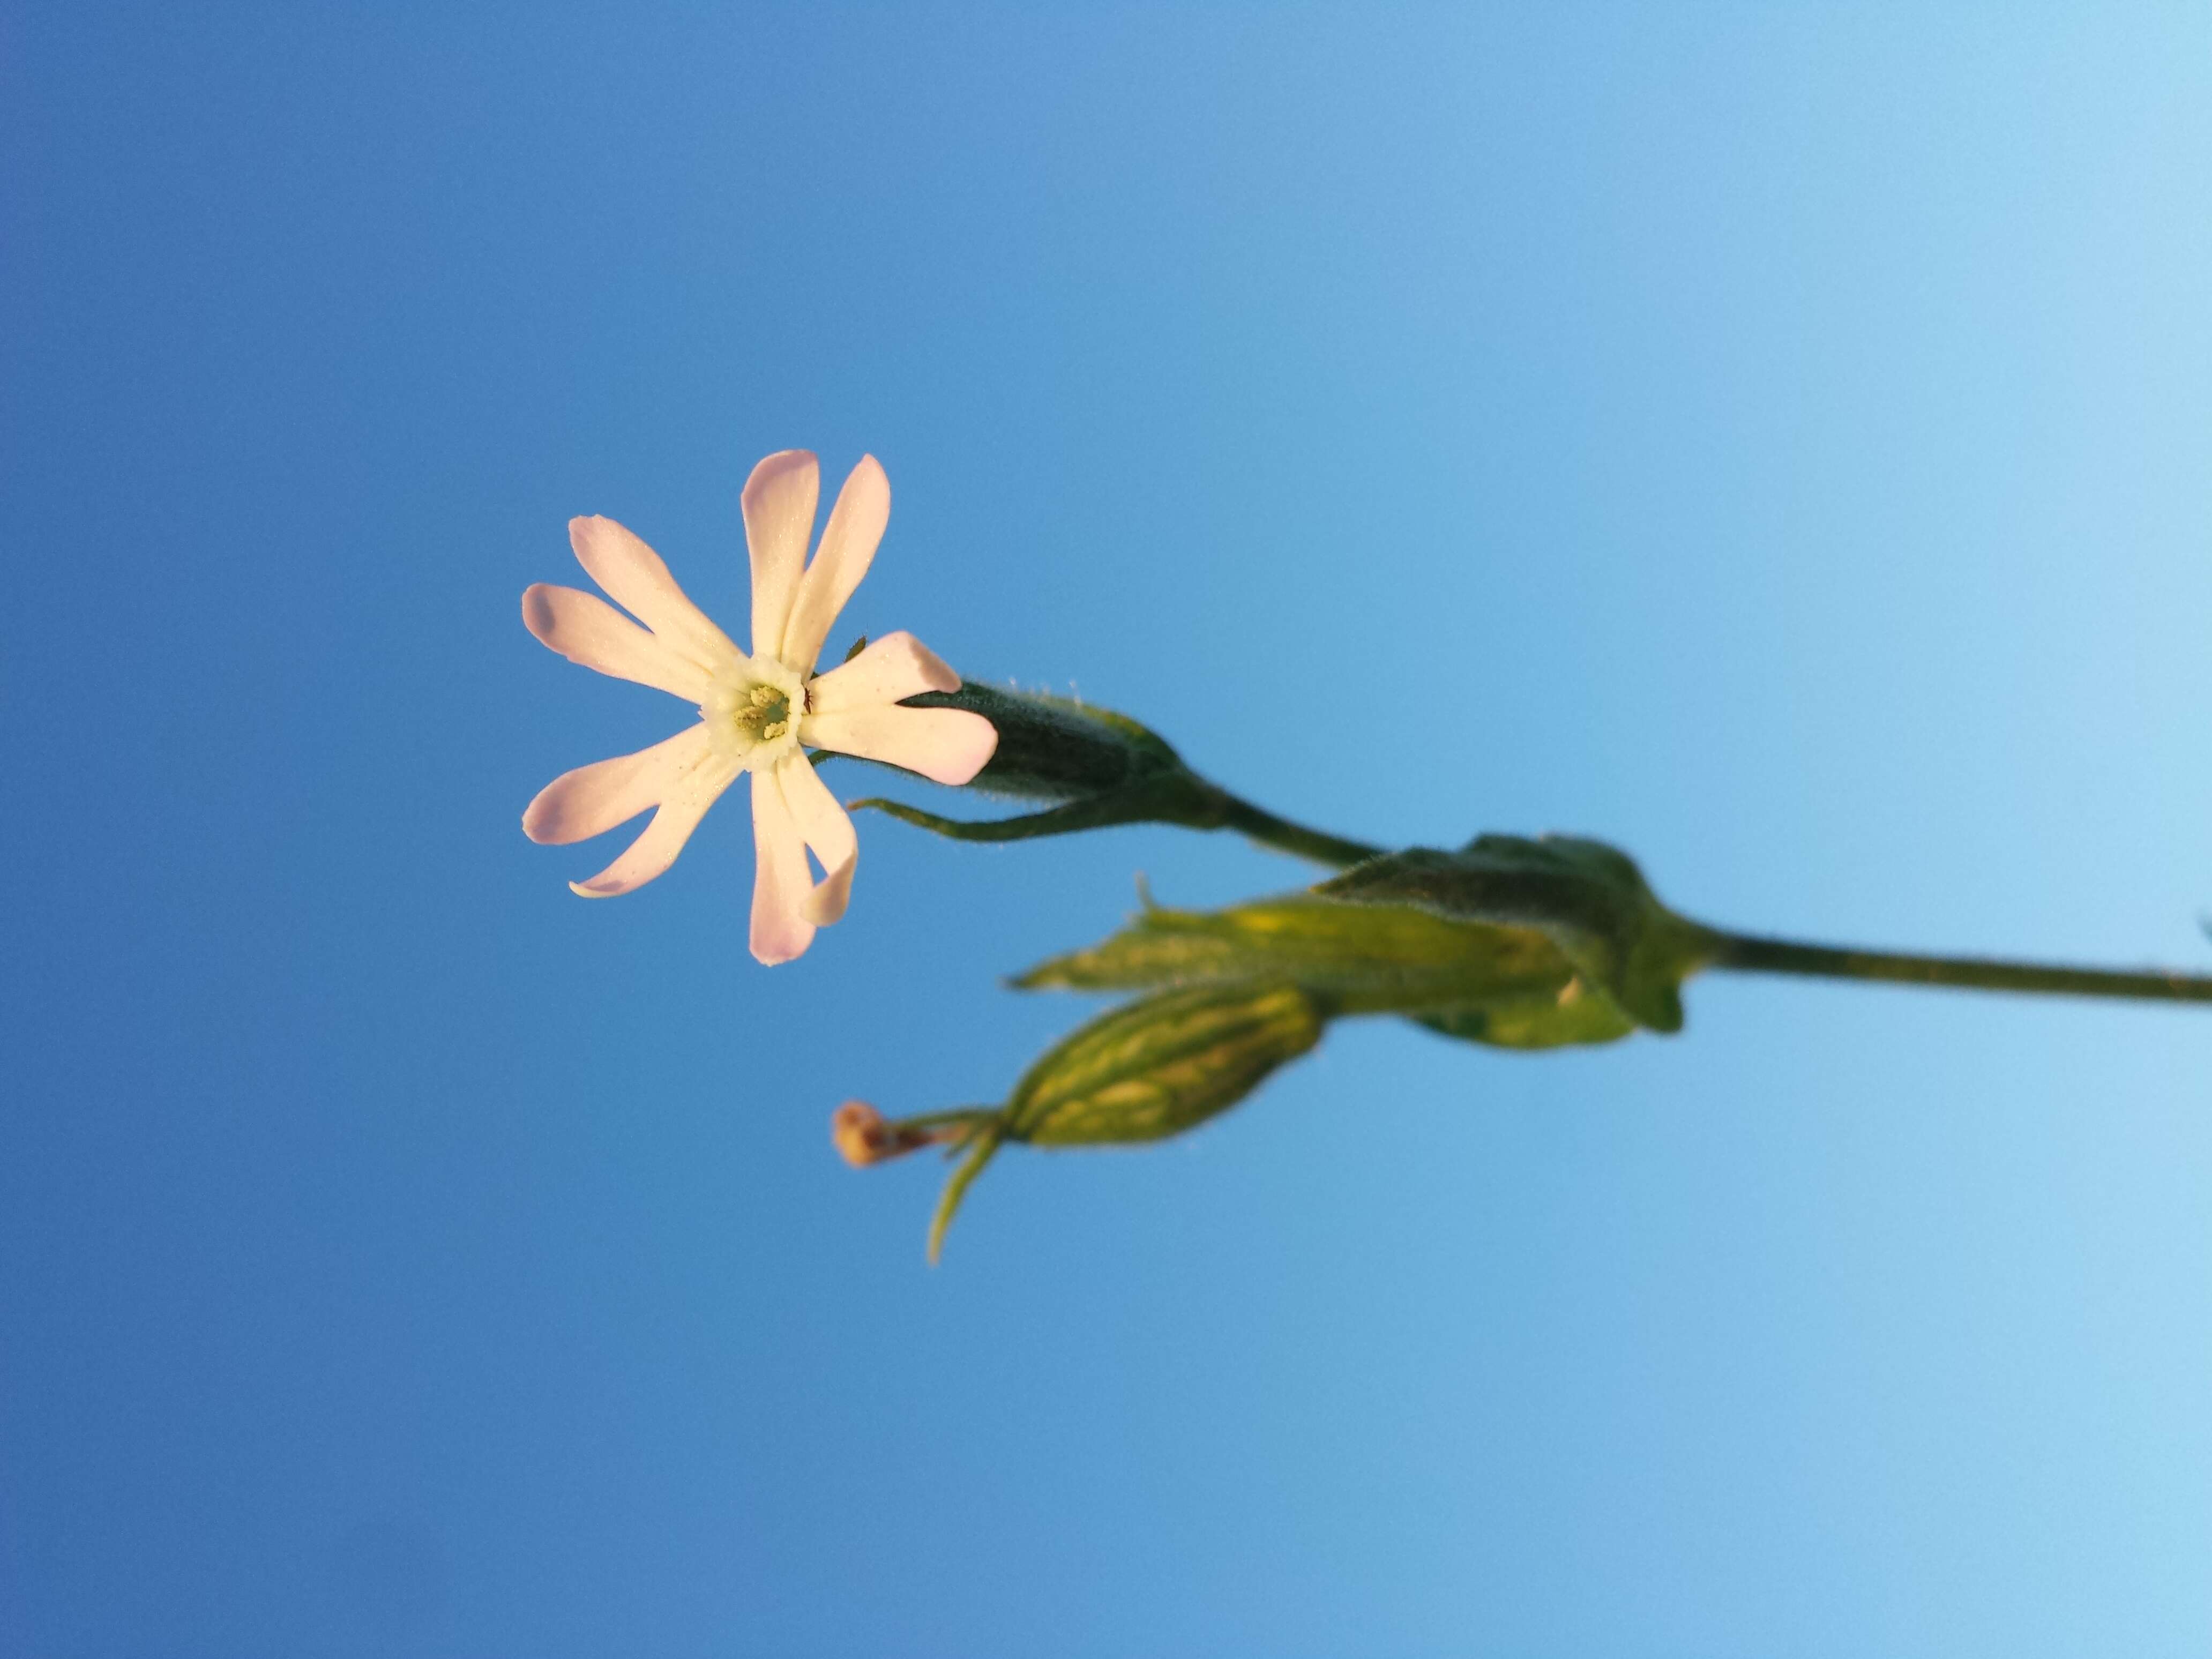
(848, 544)
(782, 882)
(636, 578)
(828, 830)
(652, 852)
(593, 800)
(778, 503)
(587, 630)
(897, 666)
(946, 745)
(826, 904)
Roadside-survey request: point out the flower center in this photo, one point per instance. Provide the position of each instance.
(766, 713)
(752, 713)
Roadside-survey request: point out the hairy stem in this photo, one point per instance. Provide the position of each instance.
(1282, 835)
(1743, 953)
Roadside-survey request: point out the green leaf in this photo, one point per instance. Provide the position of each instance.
(980, 1152)
(1589, 899)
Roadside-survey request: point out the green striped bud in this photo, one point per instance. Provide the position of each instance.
(1155, 1067)
(1142, 1072)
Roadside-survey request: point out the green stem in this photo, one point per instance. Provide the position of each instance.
(1748, 953)
(1742, 953)
(1281, 833)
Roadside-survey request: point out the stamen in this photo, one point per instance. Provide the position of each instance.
(766, 713)
(747, 710)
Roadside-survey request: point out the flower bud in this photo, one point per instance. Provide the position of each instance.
(865, 1136)
(1147, 1070)
(1160, 1065)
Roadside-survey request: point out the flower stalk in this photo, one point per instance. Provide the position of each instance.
(1757, 953)
(1746, 953)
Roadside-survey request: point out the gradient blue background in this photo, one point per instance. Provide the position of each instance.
(1777, 441)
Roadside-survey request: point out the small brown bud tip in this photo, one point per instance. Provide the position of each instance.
(863, 1135)
(860, 1134)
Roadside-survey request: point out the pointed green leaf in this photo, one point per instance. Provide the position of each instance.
(980, 1152)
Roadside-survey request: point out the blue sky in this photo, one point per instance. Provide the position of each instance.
(1774, 440)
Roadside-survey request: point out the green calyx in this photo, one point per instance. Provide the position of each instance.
(1057, 749)
(1587, 899)
(1162, 1065)
(1354, 959)
(1516, 943)
(1140, 1072)
(1101, 770)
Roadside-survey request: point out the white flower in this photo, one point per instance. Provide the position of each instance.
(756, 711)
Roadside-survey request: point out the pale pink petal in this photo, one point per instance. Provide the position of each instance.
(896, 666)
(779, 504)
(849, 543)
(586, 629)
(593, 800)
(826, 903)
(947, 745)
(828, 831)
(635, 577)
(780, 879)
(663, 838)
